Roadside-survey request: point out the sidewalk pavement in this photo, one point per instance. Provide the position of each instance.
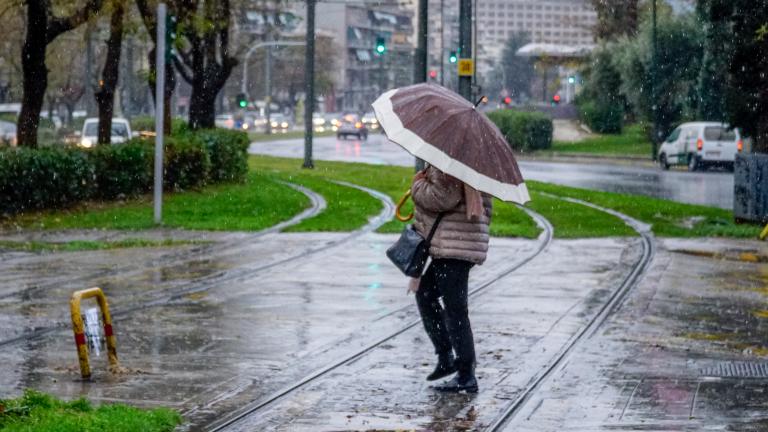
(662, 362)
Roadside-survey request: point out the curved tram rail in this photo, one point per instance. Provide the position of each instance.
(545, 238)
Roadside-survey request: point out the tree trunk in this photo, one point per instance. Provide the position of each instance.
(35, 79)
(105, 96)
(202, 109)
(170, 86)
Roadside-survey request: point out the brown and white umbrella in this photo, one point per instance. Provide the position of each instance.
(445, 130)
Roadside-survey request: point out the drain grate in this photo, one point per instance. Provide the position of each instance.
(737, 370)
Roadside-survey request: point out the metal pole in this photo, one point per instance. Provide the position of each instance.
(420, 56)
(268, 91)
(381, 73)
(159, 110)
(442, 41)
(654, 98)
(465, 45)
(309, 84)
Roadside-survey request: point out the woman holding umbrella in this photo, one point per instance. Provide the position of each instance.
(469, 160)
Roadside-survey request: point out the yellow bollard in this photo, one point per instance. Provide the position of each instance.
(400, 203)
(79, 329)
(764, 234)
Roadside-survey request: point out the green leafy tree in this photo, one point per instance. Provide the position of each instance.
(714, 64)
(680, 49)
(615, 18)
(746, 83)
(513, 72)
(601, 102)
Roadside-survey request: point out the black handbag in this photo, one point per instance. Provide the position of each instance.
(411, 250)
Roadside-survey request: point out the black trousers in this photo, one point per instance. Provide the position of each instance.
(448, 324)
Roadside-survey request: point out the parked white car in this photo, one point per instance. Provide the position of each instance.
(121, 132)
(701, 144)
(8, 133)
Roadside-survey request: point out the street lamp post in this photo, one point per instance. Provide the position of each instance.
(465, 46)
(309, 83)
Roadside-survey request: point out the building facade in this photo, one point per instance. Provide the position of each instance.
(363, 72)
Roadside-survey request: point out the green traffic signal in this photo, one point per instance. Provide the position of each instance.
(453, 58)
(242, 100)
(381, 45)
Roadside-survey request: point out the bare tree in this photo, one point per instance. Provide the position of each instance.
(148, 15)
(43, 27)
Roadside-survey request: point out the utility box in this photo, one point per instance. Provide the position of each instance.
(750, 182)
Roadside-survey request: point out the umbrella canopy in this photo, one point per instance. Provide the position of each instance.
(442, 128)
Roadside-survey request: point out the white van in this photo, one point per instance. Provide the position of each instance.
(700, 144)
(121, 132)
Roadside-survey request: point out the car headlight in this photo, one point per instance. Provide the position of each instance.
(86, 142)
(245, 125)
(284, 124)
(274, 124)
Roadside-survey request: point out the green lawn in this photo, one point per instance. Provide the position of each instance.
(38, 412)
(250, 206)
(83, 245)
(393, 181)
(633, 141)
(668, 218)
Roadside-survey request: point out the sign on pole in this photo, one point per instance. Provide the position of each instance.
(159, 110)
(466, 67)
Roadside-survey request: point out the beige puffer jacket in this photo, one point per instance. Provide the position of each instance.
(456, 236)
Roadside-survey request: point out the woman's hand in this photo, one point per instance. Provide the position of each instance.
(413, 285)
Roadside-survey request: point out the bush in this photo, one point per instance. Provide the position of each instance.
(124, 169)
(187, 164)
(602, 118)
(43, 178)
(55, 177)
(228, 151)
(524, 131)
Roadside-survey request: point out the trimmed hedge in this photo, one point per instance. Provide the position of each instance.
(524, 131)
(57, 177)
(602, 118)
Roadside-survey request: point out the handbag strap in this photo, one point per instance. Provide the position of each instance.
(434, 228)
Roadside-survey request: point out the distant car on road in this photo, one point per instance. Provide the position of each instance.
(370, 121)
(121, 132)
(279, 122)
(225, 121)
(351, 125)
(8, 133)
(701, 144)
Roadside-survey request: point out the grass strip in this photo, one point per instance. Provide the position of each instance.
(87, 245)
(667, 218)
(572, 220)
(632, 141)
(257, 204)
(39, 412)
(508, 220)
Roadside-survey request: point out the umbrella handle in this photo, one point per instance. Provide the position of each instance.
(400, 203)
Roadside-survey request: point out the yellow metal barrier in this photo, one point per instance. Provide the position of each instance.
(764, 234)
(400, 203)
(79, 329)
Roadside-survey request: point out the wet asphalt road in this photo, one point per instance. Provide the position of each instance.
(712, 188)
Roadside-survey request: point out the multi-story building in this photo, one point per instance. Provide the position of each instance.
(364, 73)
(557, 22)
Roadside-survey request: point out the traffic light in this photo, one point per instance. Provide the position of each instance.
(433, 74)
(170, 37)
(555, 99)
(453, 57)
(242, 100)
(381, 45)
(507, 101)
(571, 79)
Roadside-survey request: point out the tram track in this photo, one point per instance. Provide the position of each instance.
(544, 240)
(219, 279)
(508, 413)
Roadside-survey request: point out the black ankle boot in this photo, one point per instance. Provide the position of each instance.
(446, 365)
(462, 382)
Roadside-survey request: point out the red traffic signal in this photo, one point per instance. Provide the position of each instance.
(556, 98)
(507, 100)
(433, 74)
